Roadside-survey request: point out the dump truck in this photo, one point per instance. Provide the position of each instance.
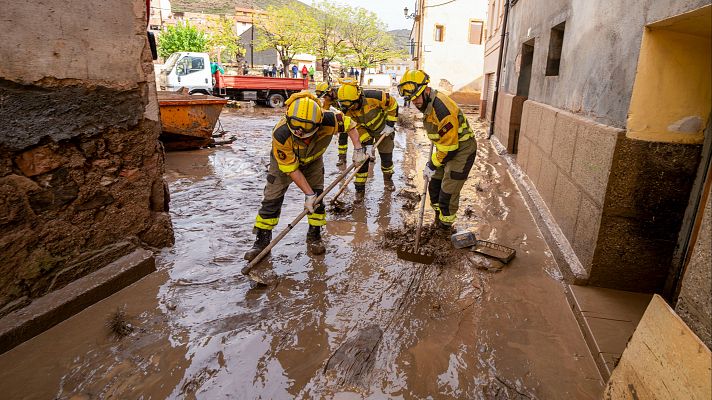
(193, 71)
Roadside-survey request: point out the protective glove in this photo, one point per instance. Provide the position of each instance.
(360, 155)
(310, 202)
(370, 150)
(388, 130)
(428, 171)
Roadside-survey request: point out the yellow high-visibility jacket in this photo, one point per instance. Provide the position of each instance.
(290, 152)
(377, 110)
(445, 125)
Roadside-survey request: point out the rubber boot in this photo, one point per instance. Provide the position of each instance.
(360, 194)
(341, 161)
(314, 243)
(263, 238)
(445, 230)
(388, 182)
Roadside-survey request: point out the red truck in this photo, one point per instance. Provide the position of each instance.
(193, 71)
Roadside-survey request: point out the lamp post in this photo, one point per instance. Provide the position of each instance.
(416, 44)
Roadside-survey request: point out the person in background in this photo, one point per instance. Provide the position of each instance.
(245, 70)
(356, 74)
(274, 71)
(280, 71)
(311, 73)
(294, 71)
(327, 93)
(305, 72)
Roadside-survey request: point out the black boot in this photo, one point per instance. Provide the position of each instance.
(388, 182)
(341, 161)
(263, 238)
(314, 243)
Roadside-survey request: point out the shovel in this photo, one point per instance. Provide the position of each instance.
(415, 256)
(247, 269)
(353, 174)
(501, 253)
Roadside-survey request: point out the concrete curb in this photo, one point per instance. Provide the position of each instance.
(55, 307)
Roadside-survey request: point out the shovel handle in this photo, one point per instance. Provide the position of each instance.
(246, 270)
(353, 174)
(422, 207)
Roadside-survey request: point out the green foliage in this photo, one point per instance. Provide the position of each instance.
(223, 38)
(328, 33)
(285, 29)
(182, 38)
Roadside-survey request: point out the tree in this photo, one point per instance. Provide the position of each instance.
(367, 37)
(182, 38)
(223, 37)
(328, 34)
(285, 29)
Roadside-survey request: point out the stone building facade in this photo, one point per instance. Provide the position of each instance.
(81, 167)
(606, 106)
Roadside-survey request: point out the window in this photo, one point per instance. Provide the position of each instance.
(556, 41)
(476, 31)
(439, 33)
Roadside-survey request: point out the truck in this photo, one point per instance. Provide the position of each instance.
(193, 71)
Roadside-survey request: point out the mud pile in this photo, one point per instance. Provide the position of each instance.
(432, 241)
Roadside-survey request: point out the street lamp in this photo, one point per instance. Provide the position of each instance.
(414, 15)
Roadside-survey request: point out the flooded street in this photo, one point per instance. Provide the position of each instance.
(356, 322)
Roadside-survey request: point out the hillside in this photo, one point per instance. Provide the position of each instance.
(401, 37)
(228, 6)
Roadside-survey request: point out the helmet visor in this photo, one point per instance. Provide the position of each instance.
(345, 105)
(320, 93)
(301, 128)
(409, 90)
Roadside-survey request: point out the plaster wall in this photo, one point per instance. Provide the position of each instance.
(694, 304)
(454, 65)
(80, 162)
(599, 55)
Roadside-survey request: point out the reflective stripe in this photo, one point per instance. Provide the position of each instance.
(378, 120)
(343, 148)
(364, 137)
(288, 168)
(266, 223)
(444, 148)
(434, 160)
(448, 219)
(315, 219)
(307, 160)
(391, 118)
(465, 137)
(436, 206)
(361, 177)
(387, 169)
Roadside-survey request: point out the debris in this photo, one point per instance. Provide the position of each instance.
(118, 324)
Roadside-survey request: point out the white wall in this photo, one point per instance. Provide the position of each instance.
(453, 59)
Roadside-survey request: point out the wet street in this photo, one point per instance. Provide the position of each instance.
(356, 322)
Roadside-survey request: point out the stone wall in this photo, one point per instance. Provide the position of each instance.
(80, 162)
(508, 120)
(694, 304)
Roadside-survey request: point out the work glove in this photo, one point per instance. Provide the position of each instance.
(310, 202)
(388, 130)
(370, 151)
(360, 155)
(428, 171)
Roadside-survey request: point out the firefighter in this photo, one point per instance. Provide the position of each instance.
(376, 113)
(327, 93)
(299, 140)
(454, 140)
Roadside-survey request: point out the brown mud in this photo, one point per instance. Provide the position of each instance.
(355, 322)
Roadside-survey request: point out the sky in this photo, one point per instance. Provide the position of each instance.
(388, 11)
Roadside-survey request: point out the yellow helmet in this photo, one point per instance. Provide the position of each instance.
(322, 89)
(348, 95)
(303, 114)
(413, 83)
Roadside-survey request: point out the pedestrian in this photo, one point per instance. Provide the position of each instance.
(305, 72)
(327, 94)
(356, 74)
(299, 141)
(376, 113)
(454, 141)
(274, 71)
(280, 70)
(265, 70)
(294, 71)
(245, 70)
(311, 73)
(351, 72)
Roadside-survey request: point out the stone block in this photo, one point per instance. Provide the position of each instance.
(564, 141)
(545, 139)
(586, 233)
(533, 120)
(593, 158)
(534, 163)
(547, 180)
(39, 160)
(523, 153)
(567, 199)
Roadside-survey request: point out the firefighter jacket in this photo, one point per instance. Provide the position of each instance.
(445, 125)
(378, 108)
(291, 152)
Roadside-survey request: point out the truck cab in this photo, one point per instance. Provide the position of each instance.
(189, 70)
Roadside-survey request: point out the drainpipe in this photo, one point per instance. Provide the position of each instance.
(499, 67)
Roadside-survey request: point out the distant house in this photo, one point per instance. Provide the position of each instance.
(448, 44)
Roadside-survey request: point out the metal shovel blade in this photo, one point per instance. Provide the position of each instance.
(422, 257)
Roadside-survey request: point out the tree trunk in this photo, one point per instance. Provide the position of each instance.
(360, 78)
(325, 70)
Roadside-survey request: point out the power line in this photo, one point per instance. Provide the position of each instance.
(441, 4)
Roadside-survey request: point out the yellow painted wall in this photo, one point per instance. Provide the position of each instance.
(673, 81)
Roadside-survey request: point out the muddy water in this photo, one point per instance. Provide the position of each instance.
(354, 323)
